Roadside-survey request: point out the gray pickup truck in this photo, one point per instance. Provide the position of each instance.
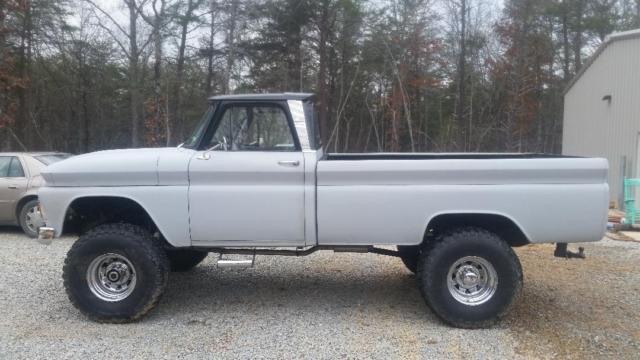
(254, 180)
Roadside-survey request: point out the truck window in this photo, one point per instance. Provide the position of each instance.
(253, 128)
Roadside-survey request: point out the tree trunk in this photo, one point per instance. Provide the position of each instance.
(321, 87)
(462, 60)
(231, 45)
(83, 86)
(565, 45)
(4, 96)
(158, 23)
(134, 91)
(177, 115)
(23, 69)
(578, 38)
(212, 36)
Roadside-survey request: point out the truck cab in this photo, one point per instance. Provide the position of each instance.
(256, 162)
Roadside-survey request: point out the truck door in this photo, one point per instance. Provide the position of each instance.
(247, 187)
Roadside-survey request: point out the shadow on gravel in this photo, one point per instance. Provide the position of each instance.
(12, 230)
(207, 291)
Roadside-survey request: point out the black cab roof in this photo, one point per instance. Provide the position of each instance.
(254, 97)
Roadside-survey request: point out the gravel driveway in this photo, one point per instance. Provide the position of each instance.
(325, 306)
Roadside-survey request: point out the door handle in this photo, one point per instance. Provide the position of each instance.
(13, 187)
(291, 163)
(204, 156)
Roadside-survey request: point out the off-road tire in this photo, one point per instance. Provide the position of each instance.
(185, 259)
(440, 254)
(22, 218)
(145, 254)
(410, 256)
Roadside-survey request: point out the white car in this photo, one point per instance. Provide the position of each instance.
(253, 179)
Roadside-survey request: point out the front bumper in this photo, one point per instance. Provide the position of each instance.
(46, 235)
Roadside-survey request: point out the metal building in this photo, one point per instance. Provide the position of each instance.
(602, 109)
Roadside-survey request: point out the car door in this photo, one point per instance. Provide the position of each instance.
(247, 187)
(13, 183)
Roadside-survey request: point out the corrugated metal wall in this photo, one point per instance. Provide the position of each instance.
(595, 127)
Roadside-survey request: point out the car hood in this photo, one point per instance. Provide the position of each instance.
(130, 167)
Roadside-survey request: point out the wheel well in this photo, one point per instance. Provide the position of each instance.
(21, 203)
(88, 212)
(501, 225)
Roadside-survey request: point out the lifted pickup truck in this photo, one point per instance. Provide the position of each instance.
(253, 179)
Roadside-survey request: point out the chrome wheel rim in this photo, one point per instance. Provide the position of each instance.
(33, 219)
(111, 277)
(472, 280)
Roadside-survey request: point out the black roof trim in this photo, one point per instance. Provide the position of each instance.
(253, 97)
(439, 156)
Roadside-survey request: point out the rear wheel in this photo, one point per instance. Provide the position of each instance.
(30, 218)
(115, 273)
(185, 259)
(469, 277)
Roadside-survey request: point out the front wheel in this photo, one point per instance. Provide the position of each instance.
(469, 277)
(115, 273)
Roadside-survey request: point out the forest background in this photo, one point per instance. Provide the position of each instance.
(389, 75)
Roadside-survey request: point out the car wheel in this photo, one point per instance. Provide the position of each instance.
(116, 273)
(469, 277)
(30, 218)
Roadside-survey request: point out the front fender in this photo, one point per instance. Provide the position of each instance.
(167, 206)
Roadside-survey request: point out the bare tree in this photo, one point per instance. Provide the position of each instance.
(578, 40)
(326, 20)
(184, 18)
(213, 9)
(158, 22)
(461, 83)
(132, 52)
(230, 41)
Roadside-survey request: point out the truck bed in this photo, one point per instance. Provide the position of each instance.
(391, 198)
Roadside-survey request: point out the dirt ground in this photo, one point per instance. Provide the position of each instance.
(326, 306)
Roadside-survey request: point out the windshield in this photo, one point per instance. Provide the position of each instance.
(52, 158)
(192, 141)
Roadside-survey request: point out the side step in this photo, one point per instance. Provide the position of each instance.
(236, 263)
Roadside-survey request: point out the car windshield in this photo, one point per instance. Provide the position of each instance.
(51, 158)
(192, 141)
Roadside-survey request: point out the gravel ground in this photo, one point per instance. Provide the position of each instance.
(325, 306)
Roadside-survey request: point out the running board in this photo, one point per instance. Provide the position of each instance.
(236, 263)
(302, 251)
